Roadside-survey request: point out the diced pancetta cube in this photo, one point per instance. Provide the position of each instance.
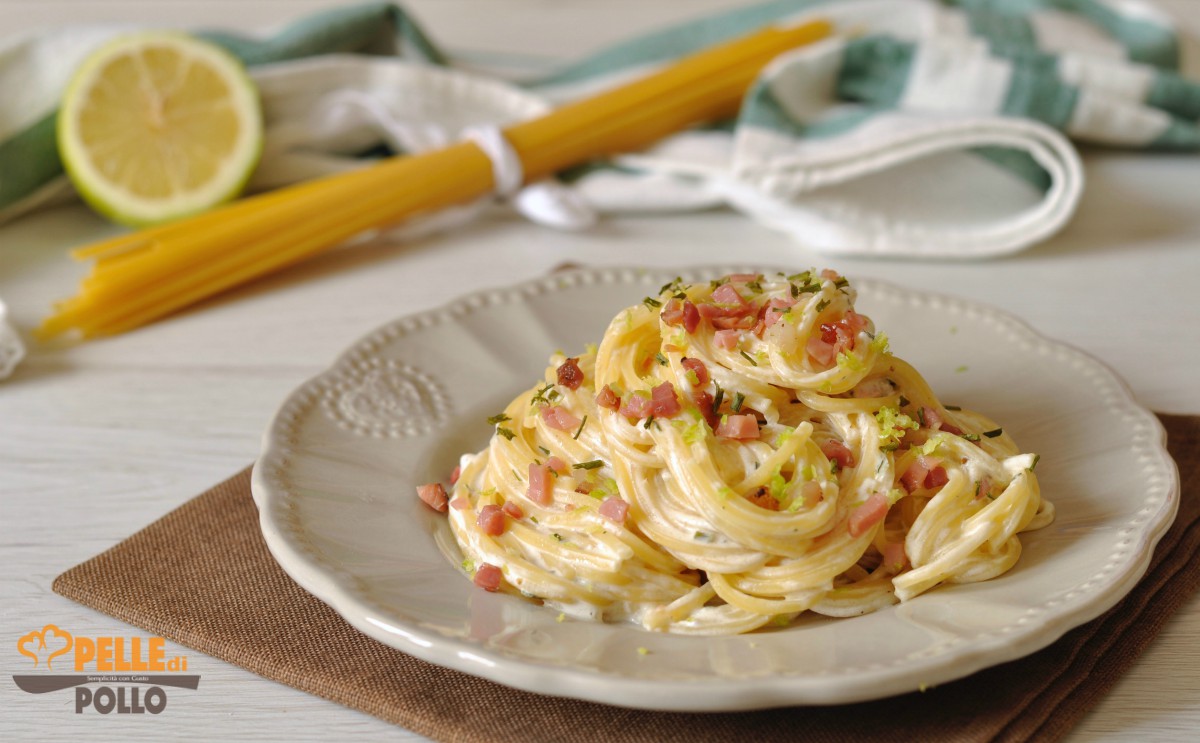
(870, 513)
(741, 427)
(637, 405)
(725, 294)
(608, 399)
(541, 484)
(513, 510)
(557, 465)
(894, 557)
(615, 509)
(556, 416)
(697, 367)
(836, 451)
(569, 374)
(488, 577)
(775, 308)
(664, 401)
(727, 339)
(491, 520)
(763, 499)
(434, 496)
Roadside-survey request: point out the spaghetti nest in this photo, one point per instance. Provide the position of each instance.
(734, 454)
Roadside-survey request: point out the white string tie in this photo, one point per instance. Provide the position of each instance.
(507, 172)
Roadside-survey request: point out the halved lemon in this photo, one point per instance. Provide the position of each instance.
(159, 125)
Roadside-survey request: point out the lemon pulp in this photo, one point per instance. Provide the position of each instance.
(158, 125)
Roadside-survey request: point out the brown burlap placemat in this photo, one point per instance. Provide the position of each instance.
(201, 576)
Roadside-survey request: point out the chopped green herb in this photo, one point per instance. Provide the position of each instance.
(834, 466)
(651, 303)
(649, 422)
(594, 464)
(754, 286)
(505, 432)
(971, 436)
(717, 398)
(812, 288)
(717, 282)
(544, 450)
(849, 362)
(703, 536)
(1036, 459)
(904, 403)
(545, 395)
(579, 430)
(842, 283)
(604, 489)
(498, 418)
(978, 484)
(801, 278)
(777, 485)
(557, 536)
(931, 446)
(749, 358)
(533, 519)
(993, 433)
(673, 285)
(694, 432)
(892, 426)
(795, 290)
(738, 399)
(879, 343)
(662, 360)
(952, 407)
(920, 412)
(822, 304)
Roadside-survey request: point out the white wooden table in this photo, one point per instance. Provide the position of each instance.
(99, 440)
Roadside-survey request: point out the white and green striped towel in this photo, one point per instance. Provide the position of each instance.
(923, 129)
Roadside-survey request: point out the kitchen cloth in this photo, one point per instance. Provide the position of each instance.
(12, 349)
(921, 129)
(201, 576)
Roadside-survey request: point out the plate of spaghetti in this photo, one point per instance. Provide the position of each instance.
(714, 489)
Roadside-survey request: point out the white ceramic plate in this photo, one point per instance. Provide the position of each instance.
(335, 489)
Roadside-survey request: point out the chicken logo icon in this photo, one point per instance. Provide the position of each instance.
(108, 674)
(44, 645)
